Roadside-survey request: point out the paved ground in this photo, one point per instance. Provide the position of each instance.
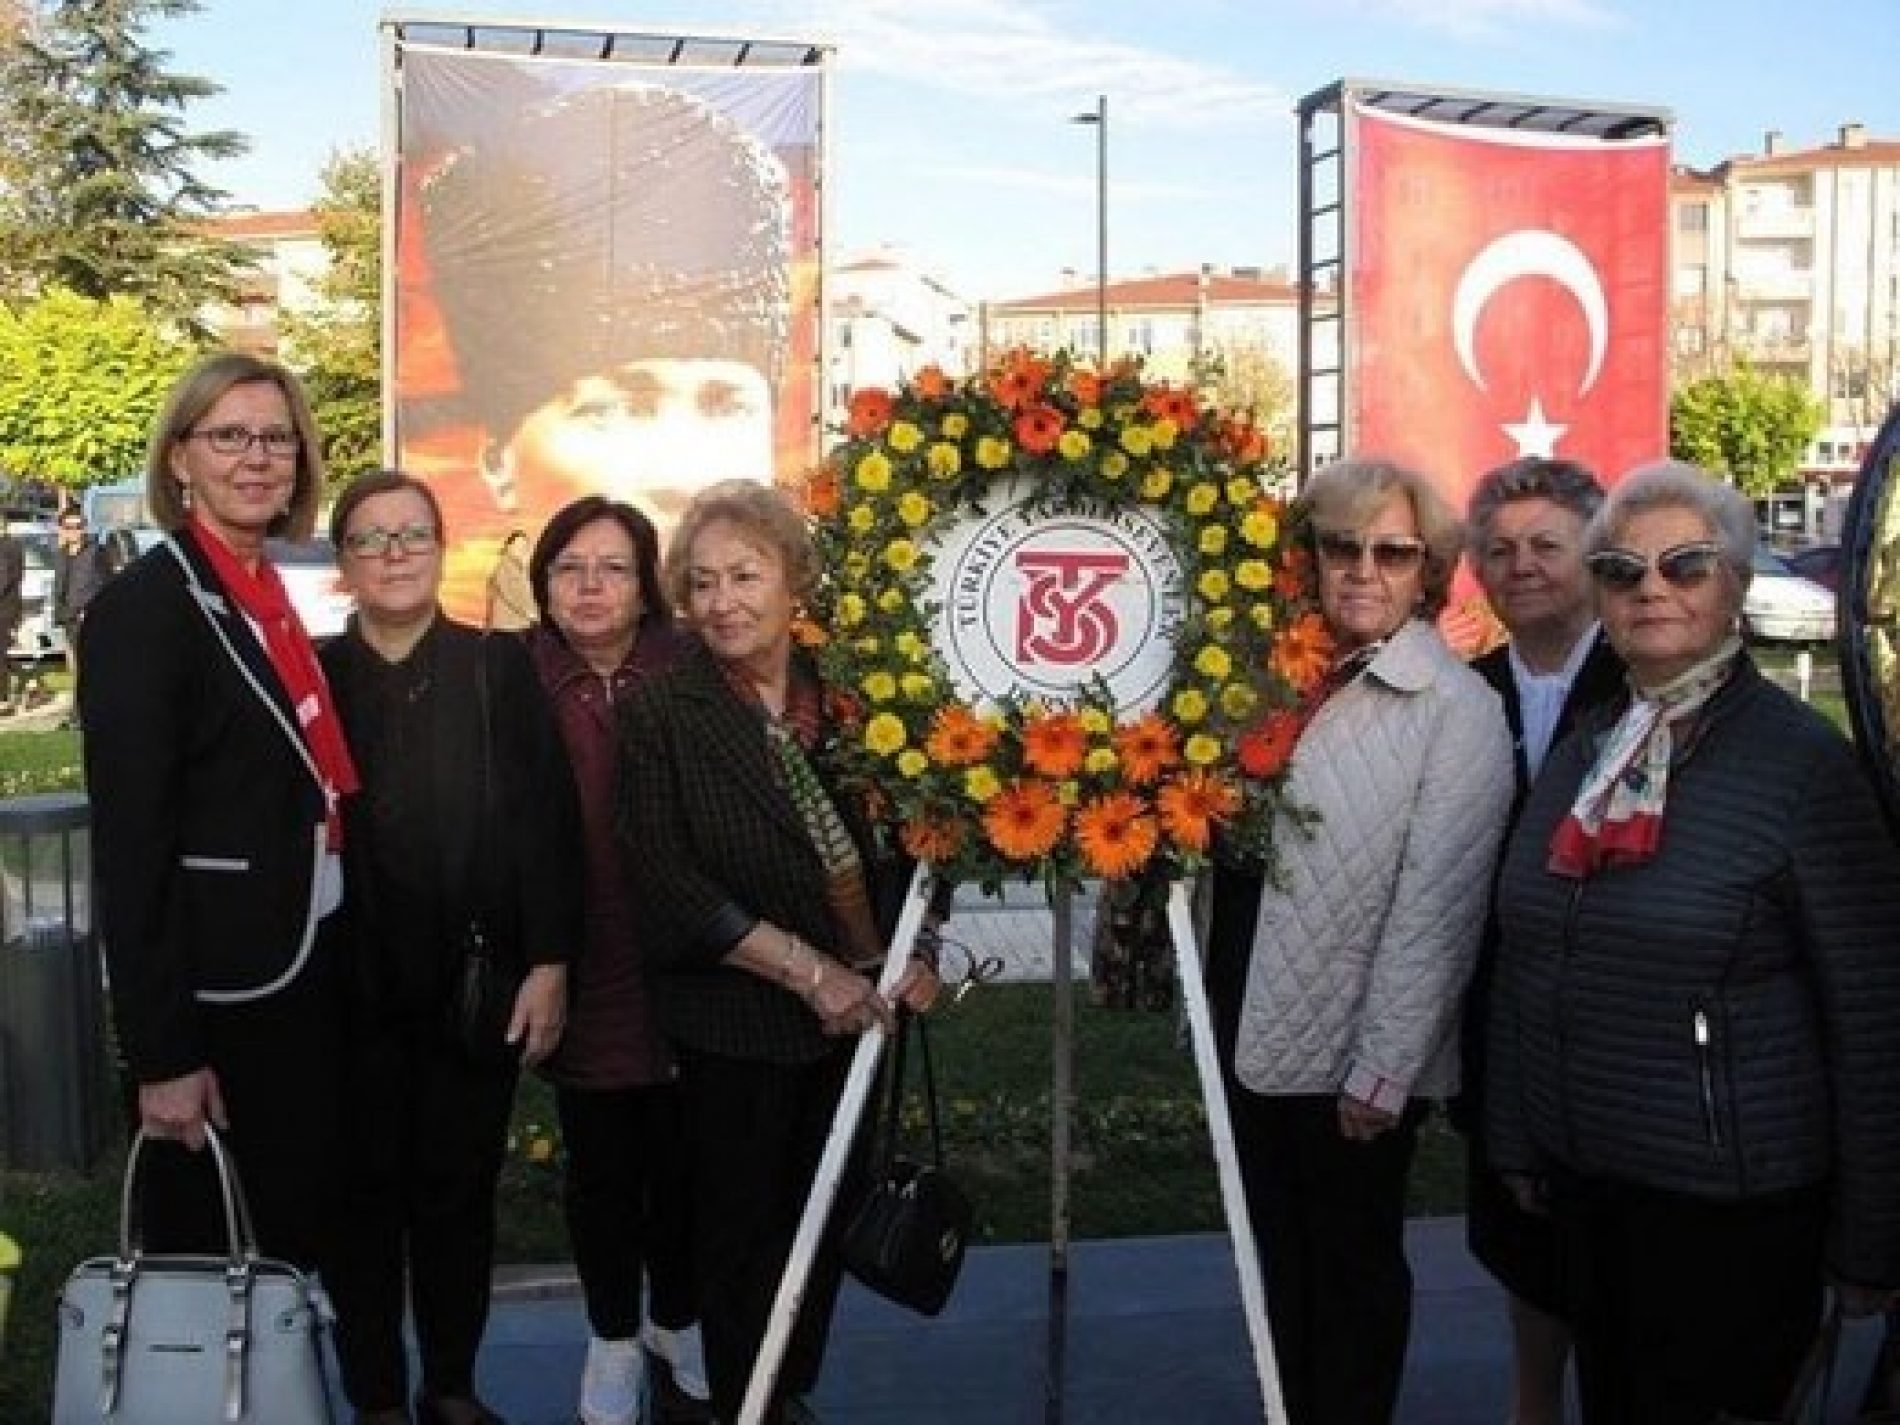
(1155, 1338)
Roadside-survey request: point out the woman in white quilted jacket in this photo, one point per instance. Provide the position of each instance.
(1337, 980)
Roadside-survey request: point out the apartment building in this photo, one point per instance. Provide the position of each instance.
(889, 318)
(1790, 258)
(290, 261)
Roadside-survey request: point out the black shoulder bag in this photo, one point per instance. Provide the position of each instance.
(906, 1239)
(486, 977)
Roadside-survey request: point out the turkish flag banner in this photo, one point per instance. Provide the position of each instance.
(1507, 295)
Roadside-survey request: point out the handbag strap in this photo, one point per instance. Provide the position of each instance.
(240, 1237)
(907, 1021)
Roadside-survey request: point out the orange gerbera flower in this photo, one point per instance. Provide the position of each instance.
(1168, 403)
(1304, 652)
(959, 738)
(1147, 749)
(931, 383)
(822, 493)
(1191, 804)
(1265, 748)
(1055, 744)
(1116, 835)
(1038, 428)
(1086, 387)
(1025, 820)
(1019, 379)
(1295, 572)
(869, 413)
(806, 632)
(1244, 441)
(932, 839)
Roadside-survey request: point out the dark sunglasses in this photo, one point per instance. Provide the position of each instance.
(1682, 566)
(1392, 554)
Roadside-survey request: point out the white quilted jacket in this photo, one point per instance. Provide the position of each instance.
(1365, 941)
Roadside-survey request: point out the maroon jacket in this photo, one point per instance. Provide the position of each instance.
(613, 1040)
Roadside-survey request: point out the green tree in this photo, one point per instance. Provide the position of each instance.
(99, 185)
(81, 382)
(1743, 424)
(337, 342)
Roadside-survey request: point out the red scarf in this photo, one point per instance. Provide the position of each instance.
(263, 599)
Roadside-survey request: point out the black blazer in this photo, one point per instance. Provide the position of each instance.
(207, 812)
(715, 845)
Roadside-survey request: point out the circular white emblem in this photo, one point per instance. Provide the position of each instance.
(1040, 601)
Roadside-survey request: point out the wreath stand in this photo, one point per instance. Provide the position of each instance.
(824, 1190)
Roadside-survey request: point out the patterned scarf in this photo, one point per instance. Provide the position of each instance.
(263, 599)
(1616, 819)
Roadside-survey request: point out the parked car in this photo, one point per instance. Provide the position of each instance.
(1819, 562)
(1783, 607)
(308, 569)
(38, 638)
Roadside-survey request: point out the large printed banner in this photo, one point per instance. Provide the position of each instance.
(606, 281)
(1508, 295)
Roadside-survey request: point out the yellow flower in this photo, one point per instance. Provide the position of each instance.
(1069, 793)
(992, 453)
(1219, 620)
(1214, 540)
(869, 647)
(900, 554)
(1262, 616)
(1156, 483)
(905, 437)
(891, 600)
(1114, 465)
(908, 644)
(860, 520)
(1237, 700)
(1164, 432)
(1136, 440)
(980, 783)
(879, 687)
(850, 610)
(1073, 443)
(917, 686)
(1260, 529)
(1094, 721)
(1189, 706)
(943, 460)
(1090, 418)
(1213, 585)
(912, 763)
(857, 565)
(1213, 662)
(1202, 497)
(874, 472)
(955, 426)
(1201, 750)
(1100, 761)
(1242, 491)
(885, 734)
(913, 509)
(1254, 575)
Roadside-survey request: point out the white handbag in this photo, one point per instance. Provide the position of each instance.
(190, 1340)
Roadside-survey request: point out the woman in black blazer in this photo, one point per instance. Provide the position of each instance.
(768, 947)
(467, 819)
(215, 762)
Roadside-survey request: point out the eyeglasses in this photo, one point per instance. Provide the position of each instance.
(1681, 566)
(376, 542)
(1391, 554)
(278, 443)
(608, 569)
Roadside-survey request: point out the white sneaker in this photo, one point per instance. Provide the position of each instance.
(684, 1357)
(613, 1382)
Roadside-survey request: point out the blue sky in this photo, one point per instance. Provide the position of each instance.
(949, 138)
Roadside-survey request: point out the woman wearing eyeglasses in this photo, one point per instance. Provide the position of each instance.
(1337, 980)
(605, 629)
(466, 830)
(215, 762)
(1693, 1035)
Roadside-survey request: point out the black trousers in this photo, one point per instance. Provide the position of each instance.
(757, 1131)
(428, 1129)
(1684, 1309)
(629, 1206)
(1330, 1215)
(276, 1062)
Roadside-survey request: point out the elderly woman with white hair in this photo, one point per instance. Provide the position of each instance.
(1693, 1031)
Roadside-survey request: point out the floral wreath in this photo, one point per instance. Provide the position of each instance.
(1048, 790)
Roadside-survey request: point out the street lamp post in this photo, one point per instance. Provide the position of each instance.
(1100, 119)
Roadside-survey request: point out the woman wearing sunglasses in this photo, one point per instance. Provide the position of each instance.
(1693, 1061)
(1337, 981)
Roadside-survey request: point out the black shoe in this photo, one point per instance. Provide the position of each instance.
(454, 1410)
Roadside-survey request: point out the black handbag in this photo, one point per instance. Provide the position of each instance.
(487, 976)
(907, 1237)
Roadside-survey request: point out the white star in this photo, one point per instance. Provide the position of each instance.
(1535, 435)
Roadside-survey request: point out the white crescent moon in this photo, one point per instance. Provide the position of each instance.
(1529, 252)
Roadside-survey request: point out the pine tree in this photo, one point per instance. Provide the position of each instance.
(99, 188)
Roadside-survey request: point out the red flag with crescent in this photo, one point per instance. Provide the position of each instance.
(1507, 295)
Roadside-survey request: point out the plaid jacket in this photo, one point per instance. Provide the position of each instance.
(714, 845)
